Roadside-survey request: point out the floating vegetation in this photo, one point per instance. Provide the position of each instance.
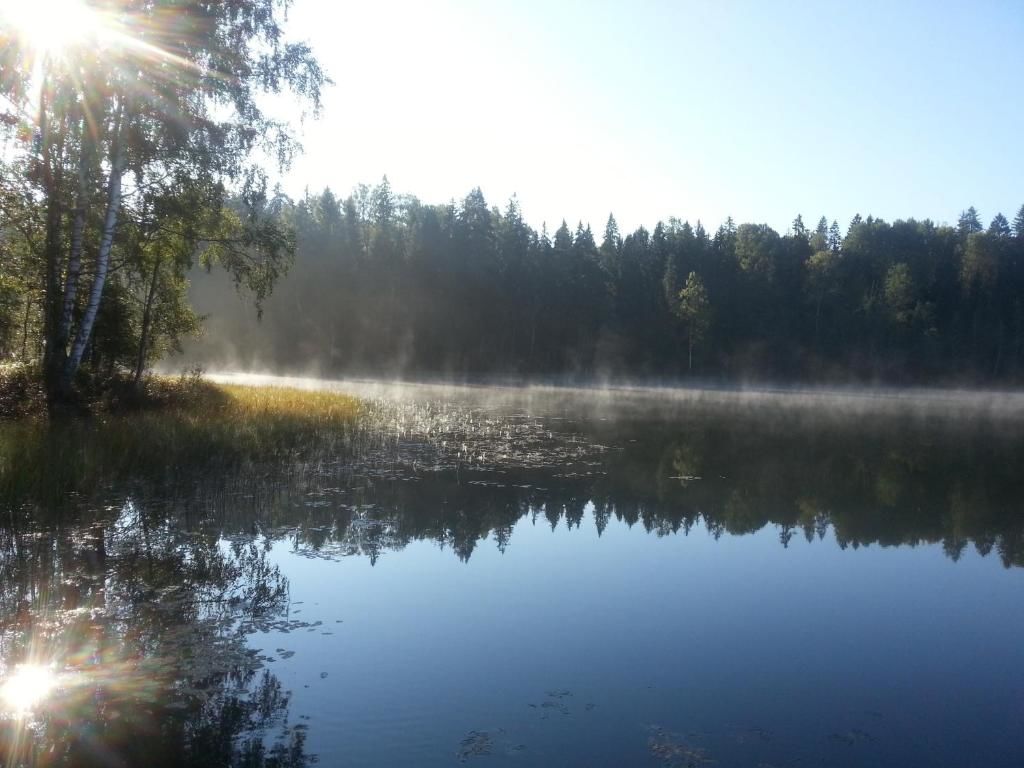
(674, 750)
(485, 743)
(554, 701)
(476, 744)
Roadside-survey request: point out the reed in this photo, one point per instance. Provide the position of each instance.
(174, 430)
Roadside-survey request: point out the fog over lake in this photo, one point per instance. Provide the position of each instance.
(539, 576)
(452, 383)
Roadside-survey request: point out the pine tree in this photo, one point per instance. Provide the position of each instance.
(584, 239)
(819, 240)
(799, 229)
(563, 238)
(544, 241)
(999, 227)
(835, 239)
(970, 222)
(1018, 223)
(611, 247)
(383, 203)
(612, 241)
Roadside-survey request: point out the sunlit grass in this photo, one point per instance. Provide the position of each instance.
(234, 402)
(176, 428)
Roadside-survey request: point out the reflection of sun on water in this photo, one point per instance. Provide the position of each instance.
(26, 687)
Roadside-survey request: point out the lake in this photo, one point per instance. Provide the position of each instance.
(540, 576)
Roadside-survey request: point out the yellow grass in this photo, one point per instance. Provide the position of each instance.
(177, 428)
(200, 401)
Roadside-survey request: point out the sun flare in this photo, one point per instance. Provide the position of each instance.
(52, 26)
(27, 687)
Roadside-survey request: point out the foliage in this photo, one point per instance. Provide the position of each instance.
(146, 128)
(21, 391)
(467, 290)
(694, 310)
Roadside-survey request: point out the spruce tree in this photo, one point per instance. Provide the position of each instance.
(970, 222)
(835, 239)
(999, 227)
(1018, 223)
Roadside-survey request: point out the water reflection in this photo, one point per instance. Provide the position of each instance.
(129, 592)
(868, 483)
(139, 624)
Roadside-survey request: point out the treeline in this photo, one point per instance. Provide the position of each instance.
(387, 284)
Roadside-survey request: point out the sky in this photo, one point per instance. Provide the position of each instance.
(698, 110)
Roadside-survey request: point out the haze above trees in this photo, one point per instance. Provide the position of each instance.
(138, 154)
(386, 284)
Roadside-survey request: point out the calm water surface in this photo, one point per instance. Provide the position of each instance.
(523, 578)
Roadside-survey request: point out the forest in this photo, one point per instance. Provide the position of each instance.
(384, 284)
(120, 187)
(380, 283)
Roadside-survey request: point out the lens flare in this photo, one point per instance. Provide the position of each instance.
(27, 687)
(52, 26)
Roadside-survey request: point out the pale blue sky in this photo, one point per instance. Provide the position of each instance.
(700, 110)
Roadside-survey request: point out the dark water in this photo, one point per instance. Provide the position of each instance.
(523, 579)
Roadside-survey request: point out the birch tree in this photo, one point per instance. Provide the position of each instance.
(152, 97)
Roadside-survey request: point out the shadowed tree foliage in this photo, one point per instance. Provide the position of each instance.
(693, 309)
(144, 130)
(467, 290)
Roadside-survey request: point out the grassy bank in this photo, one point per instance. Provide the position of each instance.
(172, 431)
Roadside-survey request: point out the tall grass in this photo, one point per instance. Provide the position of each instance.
(178, 430)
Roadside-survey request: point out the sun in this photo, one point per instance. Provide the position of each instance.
(52, 26)
(26, 687)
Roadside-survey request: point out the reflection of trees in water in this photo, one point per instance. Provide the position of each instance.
(869, 485)
(454, 477)
(141, 624)
(896, 484)
(146, 602)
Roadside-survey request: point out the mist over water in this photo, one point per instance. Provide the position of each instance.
(666, 576)
(532, 575)
(459, 489)
(994, 408)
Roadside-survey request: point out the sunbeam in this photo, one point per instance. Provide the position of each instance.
(27, 687)
(53, 26)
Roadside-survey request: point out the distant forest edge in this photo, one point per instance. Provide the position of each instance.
(386, 284)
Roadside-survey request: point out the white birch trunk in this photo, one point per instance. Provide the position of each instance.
(75, 258)
(117, 169)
